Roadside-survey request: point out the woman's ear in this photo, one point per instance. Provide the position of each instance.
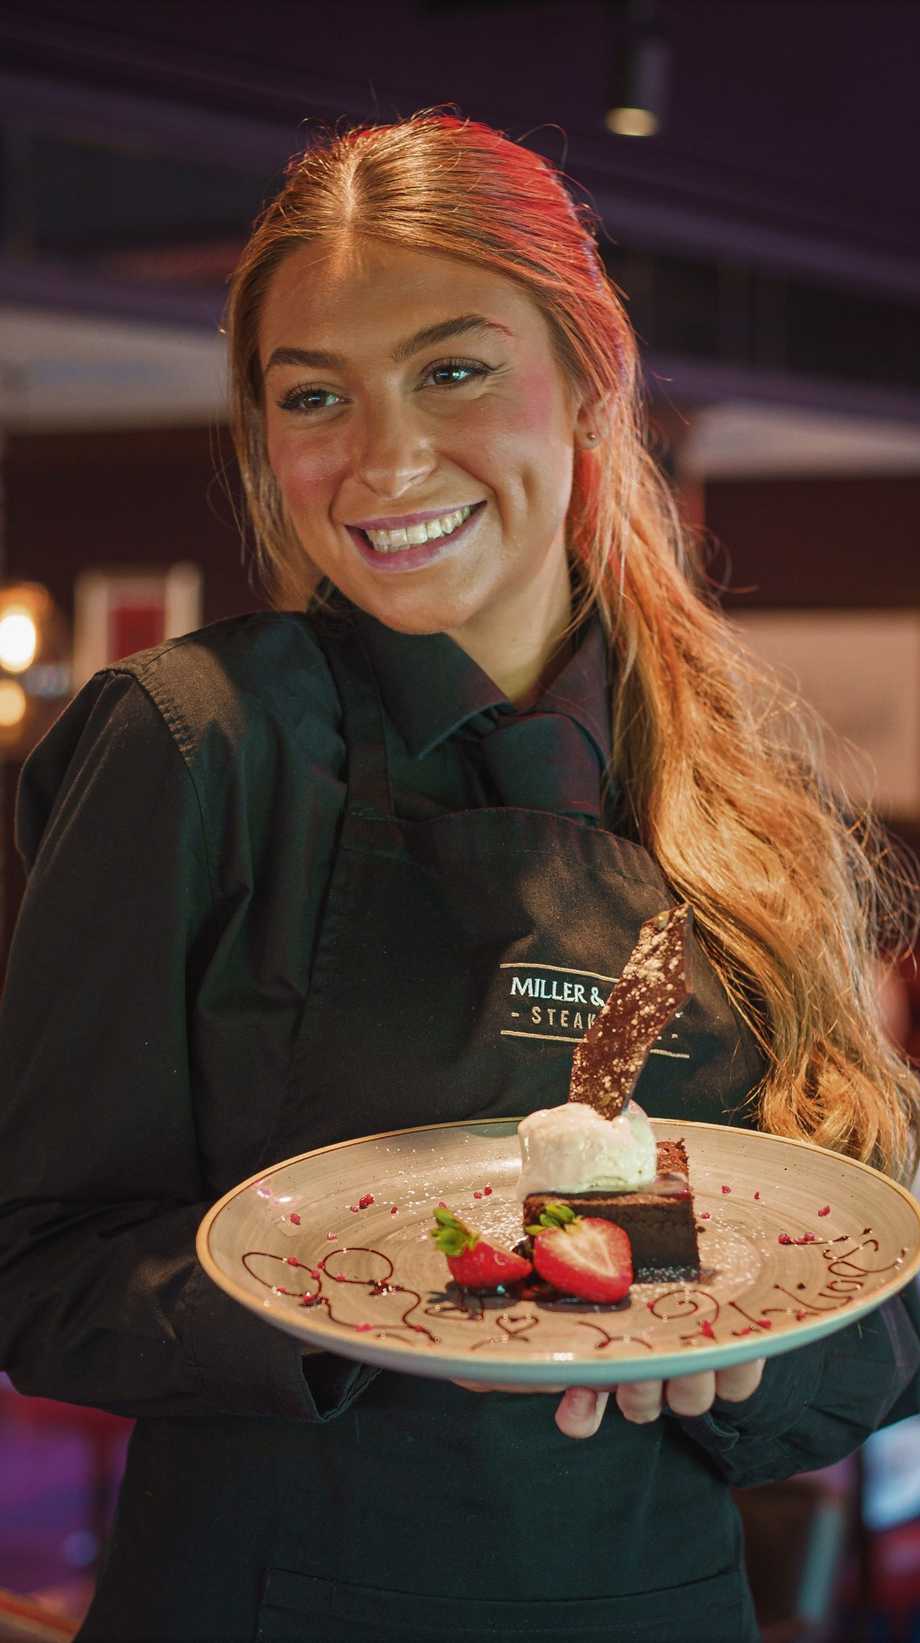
(591, 423)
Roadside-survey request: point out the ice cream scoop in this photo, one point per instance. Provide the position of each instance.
(572, 1148)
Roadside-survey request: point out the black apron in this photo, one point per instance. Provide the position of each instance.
(459, 960)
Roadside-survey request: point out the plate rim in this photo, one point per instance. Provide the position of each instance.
(538, 1373)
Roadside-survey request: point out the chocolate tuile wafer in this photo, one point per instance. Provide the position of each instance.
(652, 986)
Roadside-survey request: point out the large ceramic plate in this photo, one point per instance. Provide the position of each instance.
(795, 1242)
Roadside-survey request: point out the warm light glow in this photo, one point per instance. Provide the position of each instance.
(631, 122)
(18, 640)
(12, 703)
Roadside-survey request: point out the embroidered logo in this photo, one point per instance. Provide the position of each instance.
(553, 1002)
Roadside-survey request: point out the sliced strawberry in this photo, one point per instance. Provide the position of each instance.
(474, 1262)
(582, 1256)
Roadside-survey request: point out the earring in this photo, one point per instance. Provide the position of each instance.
(591, 438)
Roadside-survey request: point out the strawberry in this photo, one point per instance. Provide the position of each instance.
(474, 1262)
(582, 1256)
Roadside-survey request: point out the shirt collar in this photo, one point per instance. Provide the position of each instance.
(431, 687)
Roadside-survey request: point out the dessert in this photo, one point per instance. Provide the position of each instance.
(596, 1155)
(604, 1204)
(658, 1219)
(653, 985)
(585, 1257)
(574, 1148)
(474, 1262)
(574, 1257)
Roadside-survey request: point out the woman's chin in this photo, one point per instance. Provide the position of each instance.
(408, 605)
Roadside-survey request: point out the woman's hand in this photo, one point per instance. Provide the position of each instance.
(581, 1408)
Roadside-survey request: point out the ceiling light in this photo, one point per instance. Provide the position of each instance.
(639, 83)
(631, 122)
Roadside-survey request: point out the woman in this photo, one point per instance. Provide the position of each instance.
(286, 860)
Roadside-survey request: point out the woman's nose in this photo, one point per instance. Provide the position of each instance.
(391, 454)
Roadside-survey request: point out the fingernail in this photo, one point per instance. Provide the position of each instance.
(581, 1403)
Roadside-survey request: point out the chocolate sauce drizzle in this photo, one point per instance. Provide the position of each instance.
(845, 1275)
(320, 1274)
(513, 1326)
(614, 1340)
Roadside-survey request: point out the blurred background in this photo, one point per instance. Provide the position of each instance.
(753, 163)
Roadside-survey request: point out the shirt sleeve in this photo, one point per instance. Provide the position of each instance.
(817, 1404)
(102, 1187)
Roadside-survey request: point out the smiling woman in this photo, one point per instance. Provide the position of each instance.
(286, 872)
(396, 434)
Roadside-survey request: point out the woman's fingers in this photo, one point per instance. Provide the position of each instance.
(639, 1401)
(691, 1394)
(734, 1385)
(581, 1411)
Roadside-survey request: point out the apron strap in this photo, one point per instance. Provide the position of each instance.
(369, 793)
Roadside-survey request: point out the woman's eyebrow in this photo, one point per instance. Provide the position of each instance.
(425, 338)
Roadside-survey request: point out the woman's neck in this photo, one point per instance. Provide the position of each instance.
(522, 647)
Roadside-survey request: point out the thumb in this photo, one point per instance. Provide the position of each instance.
(580, 1411)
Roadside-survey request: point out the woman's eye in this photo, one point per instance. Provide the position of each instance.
(472, 367)
(296, 399)
(462, 371)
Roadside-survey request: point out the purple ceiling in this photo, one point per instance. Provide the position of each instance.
(788, 119)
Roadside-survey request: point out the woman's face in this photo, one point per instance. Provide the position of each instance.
(376, 431)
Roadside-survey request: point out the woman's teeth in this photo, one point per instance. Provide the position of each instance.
(412, 535)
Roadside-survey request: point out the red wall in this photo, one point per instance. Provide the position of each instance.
(127, 497)
(832, 542)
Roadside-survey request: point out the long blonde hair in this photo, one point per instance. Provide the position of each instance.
(794, 893)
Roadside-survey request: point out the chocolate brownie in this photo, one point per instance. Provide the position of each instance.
(659, 1219)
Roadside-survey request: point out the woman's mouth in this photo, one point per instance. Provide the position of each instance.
(393, 551)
